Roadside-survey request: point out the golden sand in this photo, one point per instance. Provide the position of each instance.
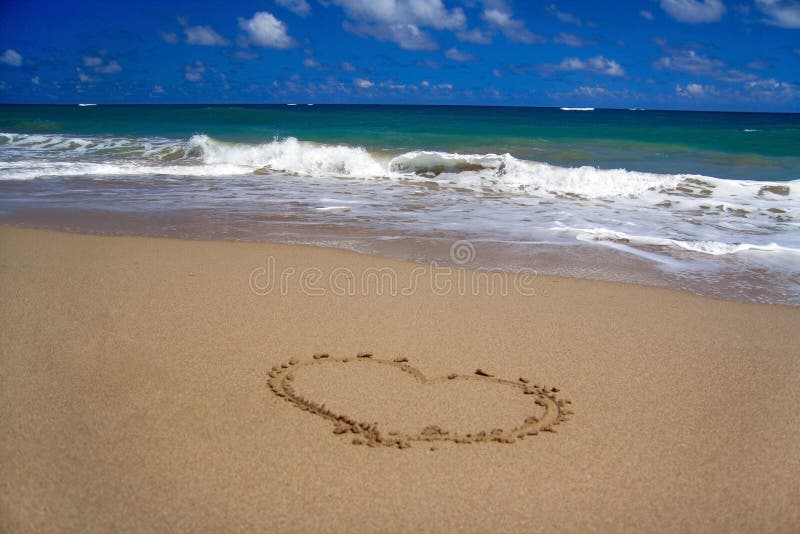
(135, 395)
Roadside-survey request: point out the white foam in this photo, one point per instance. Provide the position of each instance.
(291, 155)
(712, 248)
(27, 170)
(498, 172)
(507, 173)
(57, 155)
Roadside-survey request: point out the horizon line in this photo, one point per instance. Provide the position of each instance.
(310, 104)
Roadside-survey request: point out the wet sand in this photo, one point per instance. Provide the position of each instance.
(135, 394)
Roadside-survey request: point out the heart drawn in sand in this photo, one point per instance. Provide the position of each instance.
(390, 403)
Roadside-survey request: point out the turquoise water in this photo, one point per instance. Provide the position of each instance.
(706, 202)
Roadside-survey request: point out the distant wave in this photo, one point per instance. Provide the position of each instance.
(577, 109)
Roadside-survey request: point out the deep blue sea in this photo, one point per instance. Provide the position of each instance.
(706, 202)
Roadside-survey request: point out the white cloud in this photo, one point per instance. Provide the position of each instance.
(100, 65)
(606, 66)
(430, 64)
(395, 86)
(425, 83)
(11, 57)
(204, 36)
(158, 90)
(563, 16)
(298, 7)
(592, 91)
(772, 88)
(407, 36)
(446, 86)
(499, 17)
(572, 63)
(267, 31)
(570, 40)
(782, 13)
(36, 81)
(694, 11)
(599, 64)
(695, 90)
(474, 35)
(691, 61)
(109, 68)
(457, 55)
(759, 90)
(431, 13)
(645, 14)
(735, 76)
(513, 29)
(244, 54)
(168, 37)
(311, 63)
(363, 83)
(401, 21)
(497, 73)
(347, 66)
(589, 94)
(85, 78)
(195, 71)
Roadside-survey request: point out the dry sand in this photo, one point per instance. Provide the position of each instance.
(134, 396)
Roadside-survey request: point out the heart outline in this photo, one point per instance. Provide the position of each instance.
(280, 380)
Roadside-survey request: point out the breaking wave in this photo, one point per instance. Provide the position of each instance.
(705, 215)
(34, 156)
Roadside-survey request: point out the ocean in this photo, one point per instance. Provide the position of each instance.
(700, 201)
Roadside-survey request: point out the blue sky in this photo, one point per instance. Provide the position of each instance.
(672, 54)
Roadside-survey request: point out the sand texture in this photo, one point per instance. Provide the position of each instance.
(150, 385)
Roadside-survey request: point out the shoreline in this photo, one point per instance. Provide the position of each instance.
(135, 396)
(633, 270)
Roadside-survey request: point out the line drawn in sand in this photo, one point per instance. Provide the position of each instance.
(547, 409)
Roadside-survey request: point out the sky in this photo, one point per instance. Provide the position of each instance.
(666, 54)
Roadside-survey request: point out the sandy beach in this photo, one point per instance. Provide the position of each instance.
(135, 396)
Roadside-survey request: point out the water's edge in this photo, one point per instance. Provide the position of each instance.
(431, 253)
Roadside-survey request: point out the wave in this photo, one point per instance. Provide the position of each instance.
(496, 172)
(49, 155)
(290, 155)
